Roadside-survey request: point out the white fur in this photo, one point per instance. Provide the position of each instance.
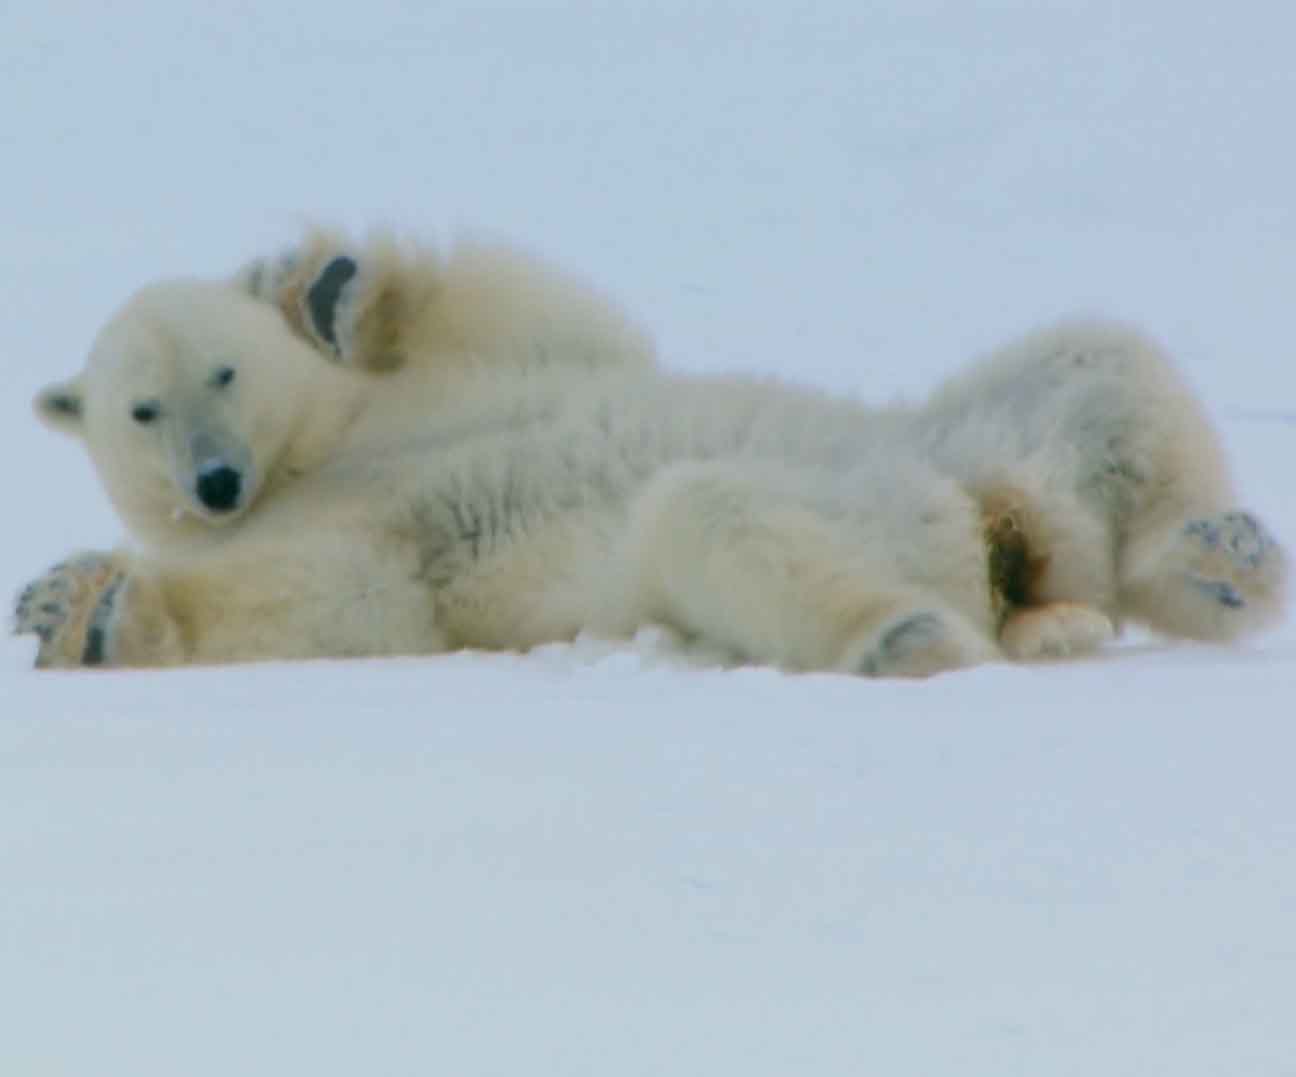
(494, 460)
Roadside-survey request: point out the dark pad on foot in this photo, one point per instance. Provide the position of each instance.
(902, 638)
(322, 298)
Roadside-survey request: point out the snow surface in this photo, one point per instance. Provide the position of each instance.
(605, 861)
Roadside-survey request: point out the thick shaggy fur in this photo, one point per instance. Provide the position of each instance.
(380, 451)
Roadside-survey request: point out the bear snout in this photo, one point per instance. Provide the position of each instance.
(219, 487)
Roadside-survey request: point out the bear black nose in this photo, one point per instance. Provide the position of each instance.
(218, 488)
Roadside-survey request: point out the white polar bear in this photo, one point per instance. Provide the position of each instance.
(492, 459)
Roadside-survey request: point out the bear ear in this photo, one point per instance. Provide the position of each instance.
(59, 406)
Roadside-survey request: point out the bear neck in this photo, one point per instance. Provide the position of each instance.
(326, 416)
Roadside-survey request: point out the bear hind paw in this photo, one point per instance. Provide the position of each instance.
(1056, 630)
(1230, 560)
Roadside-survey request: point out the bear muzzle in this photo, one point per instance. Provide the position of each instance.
(219, 486)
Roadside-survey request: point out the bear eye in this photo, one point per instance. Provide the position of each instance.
(223, 376)
(145, 413)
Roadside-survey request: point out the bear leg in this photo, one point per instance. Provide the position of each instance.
(251, 602)
(742, 561)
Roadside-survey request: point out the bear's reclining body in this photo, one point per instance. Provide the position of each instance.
(386, 453)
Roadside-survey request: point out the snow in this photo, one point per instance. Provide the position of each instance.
(618, 861)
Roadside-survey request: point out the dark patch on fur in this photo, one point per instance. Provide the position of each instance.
(913, 632)
(1241, 534)
(1124, 471)
(433, 538)
(919, 629)
(322, 298)
(65, 404)
(96, 641)
(1249, 541)
(93, 655)
(1207, 531)
(1010, 567)
(1219, 591)
(24, 601)
(43, 619)
(467, 524)
(1015, 561)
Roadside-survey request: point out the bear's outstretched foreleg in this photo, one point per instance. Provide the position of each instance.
(113, 610)
(88, 611)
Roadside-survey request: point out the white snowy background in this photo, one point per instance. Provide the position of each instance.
(597, 861)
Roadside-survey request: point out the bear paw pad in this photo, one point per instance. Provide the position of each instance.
(917, 644)
(70, 609)
(1230, 558)
(345, 306)
(1238, 535)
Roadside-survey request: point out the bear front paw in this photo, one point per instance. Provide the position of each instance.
(72, 610)
(345, 305)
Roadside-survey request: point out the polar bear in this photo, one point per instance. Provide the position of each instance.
(374, 451)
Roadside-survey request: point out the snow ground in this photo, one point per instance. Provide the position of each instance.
(601, 861)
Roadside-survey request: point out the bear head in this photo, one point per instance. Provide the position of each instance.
(188, 404)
